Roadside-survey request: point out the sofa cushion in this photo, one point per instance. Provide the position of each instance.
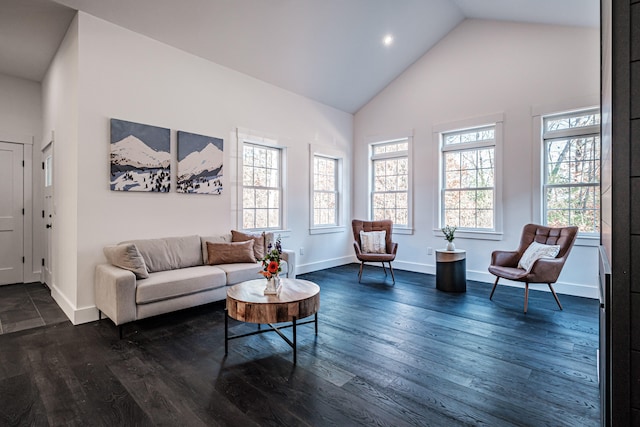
(128, 257)
(170, 253)
(237, 273)
(230, 253)
(242, 272)
(224, 238)
(168, 284)
(258, 241)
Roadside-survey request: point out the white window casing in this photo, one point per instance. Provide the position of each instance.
(470, 140)
(331, 157)
(391, 180)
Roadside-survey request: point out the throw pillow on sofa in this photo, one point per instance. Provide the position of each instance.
(127, 256)
(230, 253)
(258, 241)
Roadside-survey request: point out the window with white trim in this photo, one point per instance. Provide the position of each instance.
(261, 187)
(390, 182)
(468, 189)
(571, 170)
(325, 191)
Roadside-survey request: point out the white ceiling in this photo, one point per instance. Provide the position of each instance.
(327, 50)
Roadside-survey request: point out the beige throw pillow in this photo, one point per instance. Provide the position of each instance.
(230, 253)
(127, 256)
(534, 252)
(373, 242)
(258, 241)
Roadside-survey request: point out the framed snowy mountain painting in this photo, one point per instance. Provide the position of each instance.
(199, 164)
(140, 157)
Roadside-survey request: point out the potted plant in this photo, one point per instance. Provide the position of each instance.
(449, 232)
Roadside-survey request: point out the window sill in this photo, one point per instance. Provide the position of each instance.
(479, 235)
(327, 230)
(282, 233)
(588, 241)
(402, 230)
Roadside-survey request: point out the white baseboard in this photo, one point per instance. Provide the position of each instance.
(62, 302)
(575, 289)
(321, 265)
(33, 276)
(76, 315)
(85, 315)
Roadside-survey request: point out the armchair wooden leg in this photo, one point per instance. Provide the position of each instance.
(526, 296)
(555, 295)
(384, 268)
(494, 287)
(360, 272)
(392, 276)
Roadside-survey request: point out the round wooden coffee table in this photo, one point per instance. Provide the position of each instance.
(297, 299)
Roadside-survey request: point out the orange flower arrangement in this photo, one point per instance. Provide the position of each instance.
(271, 261)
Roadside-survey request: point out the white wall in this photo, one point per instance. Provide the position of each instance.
(124, 75)
(482, 68)
(21, 121)
(60, 116)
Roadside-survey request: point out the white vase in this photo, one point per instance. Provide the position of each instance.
(272, 285)
(451, 246)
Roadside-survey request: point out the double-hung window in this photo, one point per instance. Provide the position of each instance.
(325, 191)
(390, 182)
(571, 170)
(261, 186)
(468, 191)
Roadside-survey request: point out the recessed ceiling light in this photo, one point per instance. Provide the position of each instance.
(387, 40)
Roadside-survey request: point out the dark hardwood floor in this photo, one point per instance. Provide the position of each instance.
(385, 355)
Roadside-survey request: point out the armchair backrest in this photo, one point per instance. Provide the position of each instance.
(366, 226)
(563, 236)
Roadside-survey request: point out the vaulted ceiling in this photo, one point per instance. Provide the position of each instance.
(328, 50)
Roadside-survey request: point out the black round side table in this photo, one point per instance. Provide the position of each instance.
(451, 270)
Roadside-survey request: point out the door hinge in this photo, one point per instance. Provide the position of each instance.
(42, 214)
(42, 165)
(23, 163)
(22, 211)
(23, 260)
(43, 262)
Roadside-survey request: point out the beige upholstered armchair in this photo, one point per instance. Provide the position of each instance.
(368, 251)
(534, 260)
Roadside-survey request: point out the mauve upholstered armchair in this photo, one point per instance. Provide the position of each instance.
(505, 264)
(390, 248)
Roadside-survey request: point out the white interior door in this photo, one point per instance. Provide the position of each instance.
(47, 156)
(11, 213)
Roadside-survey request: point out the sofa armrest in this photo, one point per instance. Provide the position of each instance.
(115, 293)
(290, 257)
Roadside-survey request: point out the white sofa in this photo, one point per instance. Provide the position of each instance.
(179, 276)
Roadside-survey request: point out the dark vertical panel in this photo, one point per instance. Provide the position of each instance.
(635, 32)
(635, 270)
(635, 205)
(620, 311)
(635, 324)
(635, 90)
(635, 379)
(635, 145)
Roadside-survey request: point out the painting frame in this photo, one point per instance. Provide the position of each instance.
(200, 164)
(140, 157)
